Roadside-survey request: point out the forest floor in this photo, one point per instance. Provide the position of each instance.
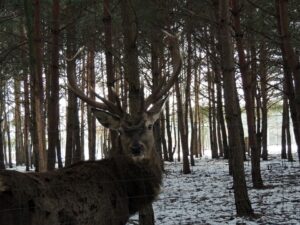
(205, 197)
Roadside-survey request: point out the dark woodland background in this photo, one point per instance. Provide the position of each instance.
(238, 56)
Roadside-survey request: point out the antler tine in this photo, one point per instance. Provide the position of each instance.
(76, 90)
(173, 46)
(117, 100)
(111, 107)
(142, 99)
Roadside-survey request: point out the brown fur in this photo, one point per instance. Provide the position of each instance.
(102, 192)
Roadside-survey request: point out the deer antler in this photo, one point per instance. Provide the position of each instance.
(104, 105)
(163, 87)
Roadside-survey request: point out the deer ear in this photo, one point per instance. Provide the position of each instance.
(154, 112)
(107, 119)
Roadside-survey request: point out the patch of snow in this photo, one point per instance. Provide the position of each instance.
(205, 197)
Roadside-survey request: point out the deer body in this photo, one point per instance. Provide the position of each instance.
(104, 192)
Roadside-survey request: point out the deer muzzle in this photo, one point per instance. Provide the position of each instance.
(137, 149)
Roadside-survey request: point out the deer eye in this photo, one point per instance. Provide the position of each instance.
(150, 127)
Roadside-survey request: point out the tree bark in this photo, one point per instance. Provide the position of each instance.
(212, 116)
(169, 132)
(292, 64)
(18, 125)
(107, 21)
(156, 58)
(131, 68)
(53, 101)
(284, 128)
(2, 165)
(242, 202)
(220, 114)
(248, 81)
(26, 123)
(7, 128)
(131, 74)
(73, 133)
(187, 107)
(33, 21)
(182, 130)
(91, 87)
(264, 97)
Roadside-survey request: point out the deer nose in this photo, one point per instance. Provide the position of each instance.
(136, 149)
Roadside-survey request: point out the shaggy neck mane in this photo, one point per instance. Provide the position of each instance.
(141, 179)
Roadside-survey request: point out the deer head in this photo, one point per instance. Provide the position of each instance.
(136, 131)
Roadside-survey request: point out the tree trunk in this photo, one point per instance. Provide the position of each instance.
(169, 132)
(156, 55)
(18, 125)
(292, 63)
(33, 21)
(2, 165)
(53, 101)
(288, 137)
(26, 122)
(248, 81)
(131, 73)
(131, 69)
(284, 128)
(242, 202)
(107, 21)
(264, 107)
(72, 139)
(188, 109)
(182, 131)
(91, 87)
(212, 116)
(7, 128)
(163, 139)
(198, 114)
(220, 114)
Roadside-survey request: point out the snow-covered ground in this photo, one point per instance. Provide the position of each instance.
(205, 197)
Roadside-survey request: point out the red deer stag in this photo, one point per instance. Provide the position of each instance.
(104, 192)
